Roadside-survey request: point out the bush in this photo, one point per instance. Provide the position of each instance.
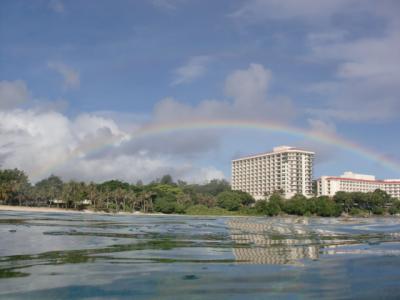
(321, 206)
(229, 200)
(395, 208)
(271, 208)
(245, 198)
(297, 205)
(356, 212)
(248, 211)
(326, 207)
(378, 210)
(261, 206)
(164, 206)
(204, 210)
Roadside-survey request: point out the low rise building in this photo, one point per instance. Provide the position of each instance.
(353, 182)
(285, 169)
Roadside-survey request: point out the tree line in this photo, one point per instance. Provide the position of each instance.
(167, 196)
(377, 202)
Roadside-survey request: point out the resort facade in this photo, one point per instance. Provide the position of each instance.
(285, 169)
(352, 182)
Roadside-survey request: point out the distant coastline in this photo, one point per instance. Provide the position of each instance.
(165, 196)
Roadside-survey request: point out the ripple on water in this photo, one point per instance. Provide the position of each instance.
(117, 257)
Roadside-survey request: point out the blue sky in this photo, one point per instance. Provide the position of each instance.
(80, 73)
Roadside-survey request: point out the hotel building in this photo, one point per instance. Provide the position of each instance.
(285, 168)
(351, 182)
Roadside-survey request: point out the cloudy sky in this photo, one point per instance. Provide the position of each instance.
(80, 80)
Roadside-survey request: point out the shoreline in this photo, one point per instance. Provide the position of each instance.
(43, 209)
(89, 211)
(138, 213)
(65, 210)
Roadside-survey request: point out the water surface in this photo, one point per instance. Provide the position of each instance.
(88, 256)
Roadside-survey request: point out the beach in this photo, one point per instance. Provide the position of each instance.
(66, 210)
(41, 209)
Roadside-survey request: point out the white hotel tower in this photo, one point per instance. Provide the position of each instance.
(285, 168)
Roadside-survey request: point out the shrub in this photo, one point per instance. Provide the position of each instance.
(356, 212)
(327, 207)
(164, 206)
(273, 209)
(395, 208)
(261, 206)
(297, 205)
(378, 210)
(204, 210)
(229, 200)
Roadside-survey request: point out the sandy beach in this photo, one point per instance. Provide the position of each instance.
(64, 210)
(41, 209)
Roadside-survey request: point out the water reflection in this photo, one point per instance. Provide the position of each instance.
(291, 240)
(45, 256)
(270, 243)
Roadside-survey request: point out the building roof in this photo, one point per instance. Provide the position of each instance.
(280, 149)
(364, 180)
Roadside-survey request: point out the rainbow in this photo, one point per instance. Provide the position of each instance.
(271, 127)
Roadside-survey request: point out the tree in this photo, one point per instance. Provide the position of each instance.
(268, 208)
(93, 195)
(229, 200)
(167, 179)
(214, 187)
(48, 189)
(379, 200)
(245, 198)
(276, 197)
(395, 208)
(273, 208)
(261, 206)
(112, 185)
(14, 186)
(206, 200)
(327, 207)
(296, 205)
(73, 193)
(345, 200)
(145, 201)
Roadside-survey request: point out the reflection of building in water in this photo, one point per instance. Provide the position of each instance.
(271, 243)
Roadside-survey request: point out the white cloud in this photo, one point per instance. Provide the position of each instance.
(48, 142)
(70, 76)
(310, 10)
(43, 142)
(322, 127)
(57, 6)
(167, 5)
(248, 86)
(249, 99)
(13, 94)
(164, 4)
(193, 69)
(325, 153)
(366, 82)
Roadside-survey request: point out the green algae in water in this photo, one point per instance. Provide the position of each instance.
(10, 273)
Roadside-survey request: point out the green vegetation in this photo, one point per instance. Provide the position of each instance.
(166, 196)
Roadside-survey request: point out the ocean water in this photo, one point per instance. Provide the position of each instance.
(88, 256)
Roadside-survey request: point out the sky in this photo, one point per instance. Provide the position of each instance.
(81, 83)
